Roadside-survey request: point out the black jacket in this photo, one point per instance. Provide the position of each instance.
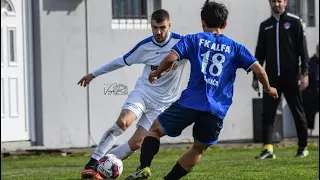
(280, 44)
(313, 73)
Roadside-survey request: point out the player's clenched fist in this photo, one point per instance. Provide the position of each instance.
(152, 75)
(272, 92)
(86, 80)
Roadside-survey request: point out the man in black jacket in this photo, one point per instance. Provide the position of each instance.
(311, 94)
(281, 42)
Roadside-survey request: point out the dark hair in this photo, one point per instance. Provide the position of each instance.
(160, 15)
(214, 14)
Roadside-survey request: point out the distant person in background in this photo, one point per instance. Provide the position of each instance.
(311, 94)
(281, 42)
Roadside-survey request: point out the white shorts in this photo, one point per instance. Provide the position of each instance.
(145, 109)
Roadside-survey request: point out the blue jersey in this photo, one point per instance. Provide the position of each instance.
(214, 61)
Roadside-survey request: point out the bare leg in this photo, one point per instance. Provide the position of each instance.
(187, 161)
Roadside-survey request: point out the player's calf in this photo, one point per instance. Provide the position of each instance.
(107, 141)
(192, 156)
(177, 172)
(135, 144)
(136, 140)
(187, 161)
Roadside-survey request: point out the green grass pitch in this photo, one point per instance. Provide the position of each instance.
(217, 163)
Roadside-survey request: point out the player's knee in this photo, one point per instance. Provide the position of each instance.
(121, 122)
(200, 148)
(155, 132)
(125, 119)
(156, 129)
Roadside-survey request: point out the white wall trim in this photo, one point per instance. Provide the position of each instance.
(28, 65)
(130, 24)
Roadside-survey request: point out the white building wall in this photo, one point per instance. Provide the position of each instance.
(72, 38)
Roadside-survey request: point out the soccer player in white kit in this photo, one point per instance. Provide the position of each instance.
(147, 100)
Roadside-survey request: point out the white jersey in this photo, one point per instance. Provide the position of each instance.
(149, 52)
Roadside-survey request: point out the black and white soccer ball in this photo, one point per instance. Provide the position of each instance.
(110, 167)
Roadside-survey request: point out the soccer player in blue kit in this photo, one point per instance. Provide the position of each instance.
(214, 60)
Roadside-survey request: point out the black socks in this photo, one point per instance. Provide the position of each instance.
(176, 173)
(149, 148)
(92, 164)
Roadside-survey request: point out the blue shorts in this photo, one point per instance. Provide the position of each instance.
(176, 118)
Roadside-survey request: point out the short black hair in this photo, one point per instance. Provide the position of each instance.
(160, 15)
(214, 14)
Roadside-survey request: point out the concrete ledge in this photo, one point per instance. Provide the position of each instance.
(38, 150)
(15, 146)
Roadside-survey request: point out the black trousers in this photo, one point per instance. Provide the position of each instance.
(288, 86)
(311, 105)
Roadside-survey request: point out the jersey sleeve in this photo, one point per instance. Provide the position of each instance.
(182, 48)
(135, 56)
(244, 58)
(111, 66)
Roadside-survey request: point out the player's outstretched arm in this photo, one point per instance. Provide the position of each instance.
(263, 78)
(85, 80)
(111, 66)
(164, 65)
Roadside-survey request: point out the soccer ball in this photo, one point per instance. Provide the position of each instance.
(110, 167)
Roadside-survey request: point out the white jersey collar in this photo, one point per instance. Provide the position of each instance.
(162, 43)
